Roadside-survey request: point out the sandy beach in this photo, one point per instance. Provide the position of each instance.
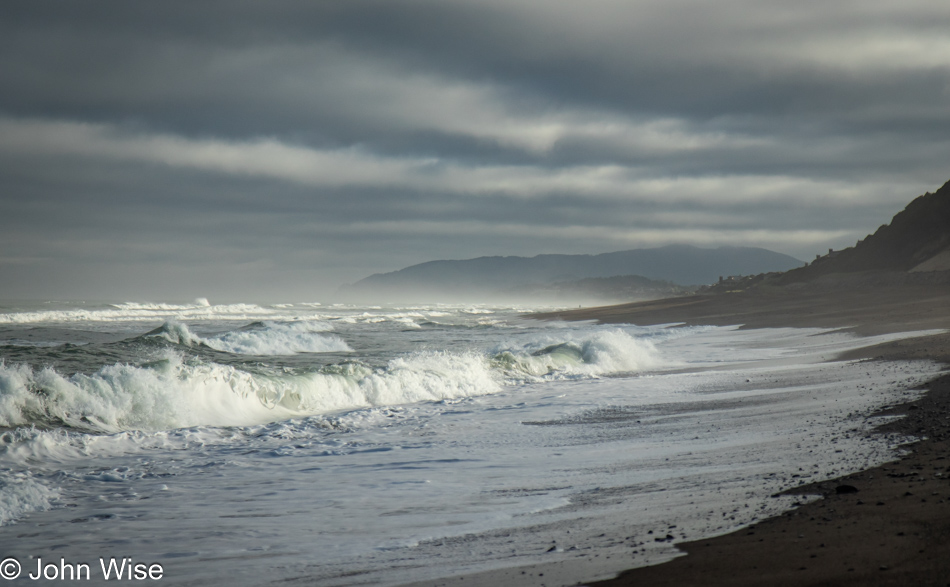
(886, 526)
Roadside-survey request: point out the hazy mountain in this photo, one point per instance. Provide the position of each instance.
(620, 288)
(471, 278)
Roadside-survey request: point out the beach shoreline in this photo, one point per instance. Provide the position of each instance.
(895, 528)
(888, 525)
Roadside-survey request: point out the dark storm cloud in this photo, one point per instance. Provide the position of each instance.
(351, 137)
(242, 68)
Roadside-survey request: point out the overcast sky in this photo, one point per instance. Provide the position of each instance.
(274, 150)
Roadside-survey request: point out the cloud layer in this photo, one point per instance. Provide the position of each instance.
(243, 149)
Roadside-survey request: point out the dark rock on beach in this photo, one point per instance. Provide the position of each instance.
(842, 489)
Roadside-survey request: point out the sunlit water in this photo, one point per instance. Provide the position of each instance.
(247, 444)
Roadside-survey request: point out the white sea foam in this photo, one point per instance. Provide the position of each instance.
(162, 307)
(27, 447)
(279, 338)
(136, 312)
(21, 494)
(266, 338)
(579, 356)
(401, 319)
(172, 393)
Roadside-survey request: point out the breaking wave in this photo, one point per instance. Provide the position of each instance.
(589, 355)
(260, 338)
(175, 393)
(200, 309)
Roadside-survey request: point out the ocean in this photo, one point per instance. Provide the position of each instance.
(255, 444)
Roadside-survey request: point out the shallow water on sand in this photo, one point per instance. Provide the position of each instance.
(247, 444)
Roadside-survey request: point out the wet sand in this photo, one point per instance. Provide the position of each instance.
(863, 310)
(885, 526)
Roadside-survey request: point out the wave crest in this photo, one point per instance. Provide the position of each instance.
(201, 309)
(261, 338)
(591, 355)
(172, 393)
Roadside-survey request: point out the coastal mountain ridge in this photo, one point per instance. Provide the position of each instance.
(894, 280)
(916, 240)
(676, 265)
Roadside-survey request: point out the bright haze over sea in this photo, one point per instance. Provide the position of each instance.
(273, 151)
(243, 444)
